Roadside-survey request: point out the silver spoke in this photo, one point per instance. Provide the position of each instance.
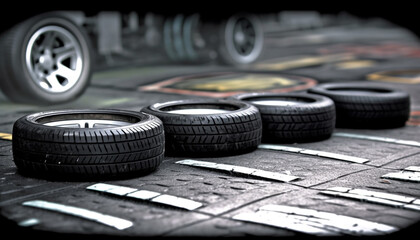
(53, 82)
(64, 52)
(69, 74)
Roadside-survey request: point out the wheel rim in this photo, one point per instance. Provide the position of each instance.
(88, 120)
(199, 109)
(87, 123)
(54, 59)
(243, 36)
(243, 39)
(276, 102)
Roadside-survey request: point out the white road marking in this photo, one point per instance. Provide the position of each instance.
(146, 195)
(313, 221)
(389, 199)
(411, 174)
(239, 169)
(336, 156)
(115, 222)
(379, 139)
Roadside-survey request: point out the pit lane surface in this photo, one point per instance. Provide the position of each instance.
(326, 54)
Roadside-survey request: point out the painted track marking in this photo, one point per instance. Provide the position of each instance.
(378, 139)
(388, 199)
(313, 221)
(112, 221)
(411, 174)
(146, 195)
(336, 156)
(239, 169)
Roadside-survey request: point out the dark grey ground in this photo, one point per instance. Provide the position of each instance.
(224, 194)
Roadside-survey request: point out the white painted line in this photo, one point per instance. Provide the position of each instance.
(284, 221)
(404, 175)
(389, 199)
(115, 222)
(379, 139)
(336, 156)
(111, 189)
(177, 202)
(411, 173)
(413, 168)
(29, 222)
(146, 195)
(313, 221)
(239, 169)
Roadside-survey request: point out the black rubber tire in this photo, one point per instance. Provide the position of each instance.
(79, 153)
(16, 80)
(312, 119)
(237, 131)
(366, 105)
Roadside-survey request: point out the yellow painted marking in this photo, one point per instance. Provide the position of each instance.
(6, 136)
(355, 64)
(248, 82)
(303, 62)
(403, 76)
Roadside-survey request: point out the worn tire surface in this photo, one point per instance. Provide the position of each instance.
(366, 105)
(236, 131)
(310, 117)
(73, 153)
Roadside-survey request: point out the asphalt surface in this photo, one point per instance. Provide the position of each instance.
(359, 50)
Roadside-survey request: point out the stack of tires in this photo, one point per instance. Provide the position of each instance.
(112, 143)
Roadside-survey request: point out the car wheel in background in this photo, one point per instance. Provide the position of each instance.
(208, 127)
(293, 117)
(45, 60)
(78, 144)
(241, 41)
(366, 105)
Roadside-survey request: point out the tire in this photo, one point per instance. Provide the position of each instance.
(33, 67)
(294, 117)
(237, 129)
(248, 47)
(91, 144)
(366, 105)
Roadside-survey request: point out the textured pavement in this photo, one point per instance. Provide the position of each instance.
(225, 194)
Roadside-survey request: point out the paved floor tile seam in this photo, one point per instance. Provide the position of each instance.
(398, 159)
(222, 215)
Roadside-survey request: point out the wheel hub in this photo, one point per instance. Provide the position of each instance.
(47, 61)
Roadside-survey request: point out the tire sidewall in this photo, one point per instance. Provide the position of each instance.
(328, 90)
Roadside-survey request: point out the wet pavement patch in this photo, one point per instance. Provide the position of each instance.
(379, 139)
